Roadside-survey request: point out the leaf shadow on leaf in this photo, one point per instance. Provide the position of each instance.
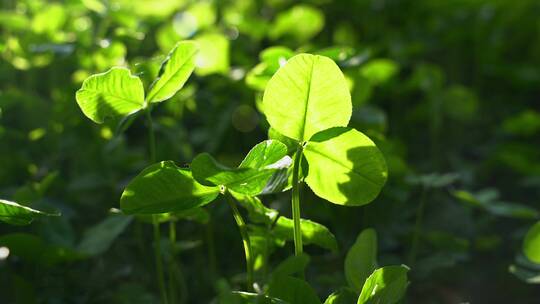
(107, 114)
(358, 176)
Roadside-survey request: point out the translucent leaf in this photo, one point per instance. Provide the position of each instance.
(174, 72)
(307, 95)
(385, 285)
(163, 187)
(252, 177)
(345, 167)
(113, 94)
(361, 260)
(15, 214)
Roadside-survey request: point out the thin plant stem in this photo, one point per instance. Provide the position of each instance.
(151, 136)
(417, 227)
(245, 239)
(172, 274)
(159, 262)
(296, 188)
(155, 221)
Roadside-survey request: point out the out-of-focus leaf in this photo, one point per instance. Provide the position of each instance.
(307, 95)
(531, 244)
(213, 55)
(175, 71)
(15, 214)
(361, 259)
(378, 71)
(113, 94)
(345, 167)
(488, 200)
(526, 123)
(34, 249)
(300, 23)
(163, 187)
(100, 237)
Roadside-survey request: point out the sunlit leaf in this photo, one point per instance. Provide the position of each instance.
(113, 94)
(385, 285)
(175, 71)
(345, 167)
(307, 95)
(15, 214)
(163, 187)
(361, 259)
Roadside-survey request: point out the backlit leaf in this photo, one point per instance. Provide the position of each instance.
(175, 71)
(345, 167)
(113, 94)
(307, 95)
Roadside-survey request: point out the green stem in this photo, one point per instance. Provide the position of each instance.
(296, 188)
(245, 239)
(172, 277)
(157, 234)
(417, 227)
(151, 136)
(159, 262)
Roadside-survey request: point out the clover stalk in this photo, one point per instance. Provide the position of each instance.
(296, 188)
(155, 220)
(245, 238)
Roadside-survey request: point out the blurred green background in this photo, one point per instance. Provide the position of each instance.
(449, 90)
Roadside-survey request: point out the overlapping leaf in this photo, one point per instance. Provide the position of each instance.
(252, 177)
